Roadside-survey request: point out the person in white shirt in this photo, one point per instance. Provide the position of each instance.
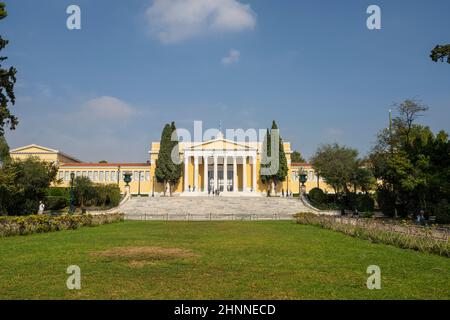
(41, 207)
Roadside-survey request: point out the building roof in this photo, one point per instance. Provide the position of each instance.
(102, 165)
(300, 164)
(22, 150)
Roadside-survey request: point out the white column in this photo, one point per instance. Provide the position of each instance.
(244, 174)
(186, 173)
(225, 174)
(205, 173)
(196, 173)
(254, 174)
(235, 186)
(215, 173)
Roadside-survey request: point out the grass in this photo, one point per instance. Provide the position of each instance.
(214, 260)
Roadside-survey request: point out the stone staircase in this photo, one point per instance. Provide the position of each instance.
(217, 206)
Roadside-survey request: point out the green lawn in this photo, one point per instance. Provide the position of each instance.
(214, 260)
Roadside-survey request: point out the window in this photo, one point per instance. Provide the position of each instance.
(61, 175)
(90, 175)
(136, 176)
(78, 173)
(101, 176)
(113, 176)
(66, 176)
(107, 176)
(95, 175)
(147, 175)
(83, 173)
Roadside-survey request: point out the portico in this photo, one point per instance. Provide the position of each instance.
(220, 166)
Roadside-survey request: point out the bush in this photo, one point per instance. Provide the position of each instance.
(56, 202)
(58, 192)
(107, 195)
(365, 203)
(386, 202)
(12, 226)
(403, 236)
(317, 195)
(442, 212)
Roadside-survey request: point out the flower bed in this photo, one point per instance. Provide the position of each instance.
(407, 236)
(12, 226)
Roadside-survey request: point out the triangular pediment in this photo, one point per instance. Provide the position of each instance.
(221, 144)
(33, 148)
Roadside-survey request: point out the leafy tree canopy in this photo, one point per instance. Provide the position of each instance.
(441, 53)
(296, 157)
(7, 81)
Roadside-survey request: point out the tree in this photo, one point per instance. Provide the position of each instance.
(440, 53)
(83, 189)
(103, 161)
(412, 165)
(4, 150)
(409, 111)
(168, 168)
(7, 188)
(281, 174)
(7, 81)
(337, 165)
(175, 167)
(296, 157)
(31, 180)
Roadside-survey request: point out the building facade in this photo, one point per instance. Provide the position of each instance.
(229, 167)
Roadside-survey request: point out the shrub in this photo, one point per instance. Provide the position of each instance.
(12, 226)
(365, 203)
(386, 201)
(58, 192)
(442, 212)
(317, 195)
(56, 202)
(405, 236)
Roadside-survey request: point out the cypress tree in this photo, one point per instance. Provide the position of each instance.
(175, 163)
(265, 156)
(162, 171)
(168, 170)
(266, 150)
(282, 173)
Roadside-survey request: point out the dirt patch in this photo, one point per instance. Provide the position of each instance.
(138, 257)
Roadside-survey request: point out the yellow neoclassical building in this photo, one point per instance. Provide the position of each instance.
(230, 167)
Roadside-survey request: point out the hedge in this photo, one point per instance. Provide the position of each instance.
(13, 226)
(404, 236)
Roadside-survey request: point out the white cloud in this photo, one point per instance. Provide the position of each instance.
(173, 21)
(107, 107)
(233, 57)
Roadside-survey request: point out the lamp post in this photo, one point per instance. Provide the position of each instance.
(72, 200)
(153, 186)
(139, 183)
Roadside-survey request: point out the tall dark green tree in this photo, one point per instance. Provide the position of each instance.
(265, 162)
(7, 81)
(175, 168)
(281, 174)
(168, 166)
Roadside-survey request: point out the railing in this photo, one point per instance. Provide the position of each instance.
(208, 217)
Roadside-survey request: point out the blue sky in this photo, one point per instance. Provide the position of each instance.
(105, 91)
